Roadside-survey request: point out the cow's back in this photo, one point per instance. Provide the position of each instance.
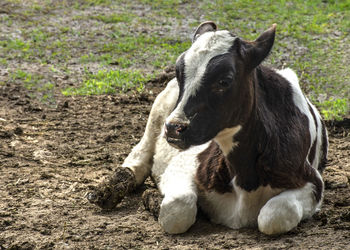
(317, 155)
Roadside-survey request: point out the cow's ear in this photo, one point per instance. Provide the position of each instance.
(204, 27)
(253, 53)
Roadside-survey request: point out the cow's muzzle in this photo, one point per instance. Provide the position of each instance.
(174, 134)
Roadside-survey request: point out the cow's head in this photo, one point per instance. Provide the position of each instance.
(215, 83)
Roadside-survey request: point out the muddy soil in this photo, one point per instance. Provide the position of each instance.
(51, 157)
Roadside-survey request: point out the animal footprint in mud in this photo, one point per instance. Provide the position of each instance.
(113, 189)
(152, 199)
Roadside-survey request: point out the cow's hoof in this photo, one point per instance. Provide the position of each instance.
(152, 199)
(113, 189)
(279, 216)
(178, 215)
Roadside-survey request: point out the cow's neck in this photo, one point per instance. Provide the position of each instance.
(242, 142)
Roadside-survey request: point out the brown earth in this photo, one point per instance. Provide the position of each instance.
(51, 157)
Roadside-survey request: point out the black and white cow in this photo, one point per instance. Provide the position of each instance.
(236, 138)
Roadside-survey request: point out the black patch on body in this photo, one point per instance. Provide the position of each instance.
(215, 172)
(180, 75)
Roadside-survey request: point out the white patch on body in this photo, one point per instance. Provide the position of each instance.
(225, 139)
(207, 46)
(237, 209)
(302, 103)
(319, 141)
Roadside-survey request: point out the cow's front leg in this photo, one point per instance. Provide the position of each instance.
(137, 166)
(178, 213)
(113, 189)
(178, 209)
(283, 212)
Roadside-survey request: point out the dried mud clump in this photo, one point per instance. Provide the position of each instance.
(152, 199)
(113, 189)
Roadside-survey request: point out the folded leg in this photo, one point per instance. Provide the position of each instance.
(179, 207)
(284, 211)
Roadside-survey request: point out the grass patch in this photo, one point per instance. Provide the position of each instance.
(334, 108)
(36, 85)
(114, 18)
(167, 8)
(96, 2)
(109, 82)
(28, 80)
(128, 51)
(148, 35)
(15, 44)
(312, 27)
(3, 62)
(107, 59)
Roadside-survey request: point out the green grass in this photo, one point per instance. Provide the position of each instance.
(94, 2)
(334, 108)
(128, 42)
(29, 80)
(15, 45)
(114, 18)
(36, 85)
(109, 82)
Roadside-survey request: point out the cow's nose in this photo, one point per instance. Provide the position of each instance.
(175, 130)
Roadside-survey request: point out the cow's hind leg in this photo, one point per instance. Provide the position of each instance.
(152, 198)
(137, 166)
(283, 212)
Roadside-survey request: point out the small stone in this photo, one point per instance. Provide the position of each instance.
(18, 131)
(65, 105)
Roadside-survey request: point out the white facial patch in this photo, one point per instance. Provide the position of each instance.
(207, 46)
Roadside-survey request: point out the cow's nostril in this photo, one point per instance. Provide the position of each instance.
(175, 129)
(180, 128)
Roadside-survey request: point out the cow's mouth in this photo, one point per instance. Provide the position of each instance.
(177, 143)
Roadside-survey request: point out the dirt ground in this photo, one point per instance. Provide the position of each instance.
(52, 154)
(50, 158)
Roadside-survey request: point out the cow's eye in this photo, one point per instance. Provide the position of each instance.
(224, 83)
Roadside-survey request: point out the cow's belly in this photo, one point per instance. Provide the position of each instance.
(237, 209)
